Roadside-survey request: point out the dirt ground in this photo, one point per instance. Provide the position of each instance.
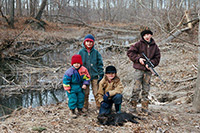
(171, 104)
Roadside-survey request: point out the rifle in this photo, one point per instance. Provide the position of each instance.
(151, 66)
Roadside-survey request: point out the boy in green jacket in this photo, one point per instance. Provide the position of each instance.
(92, 60)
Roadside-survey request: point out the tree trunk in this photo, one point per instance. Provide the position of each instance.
(39, 15)
(27, 8)
(161, 4)
(12, 13)
(87, 4)
(19, 8)
(104, 10)
(151, 5)
(32, 7)
(196, 101)
(108, 11)
(7, 7)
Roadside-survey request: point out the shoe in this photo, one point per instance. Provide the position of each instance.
(134, 106)
(73, 114)
(118, 108)
(85, 109)
(144, 110)
(118, 112)
(81, 112)
(133, 110)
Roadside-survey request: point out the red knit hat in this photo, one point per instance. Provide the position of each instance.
(76, 59)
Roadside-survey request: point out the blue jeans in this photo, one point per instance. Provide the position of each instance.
(106, 108)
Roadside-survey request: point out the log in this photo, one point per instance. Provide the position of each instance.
(187, 13)
(179, 31)
(183, 80)
(175, 34)
(185, 87)
(96, 27)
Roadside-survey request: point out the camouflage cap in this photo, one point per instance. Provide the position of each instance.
(145, 30)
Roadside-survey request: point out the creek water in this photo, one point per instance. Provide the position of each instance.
(33, 99)
(41, 98)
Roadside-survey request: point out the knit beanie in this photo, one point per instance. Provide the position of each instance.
(89, 37)
(111, 69)
(146, 30)
(76, 59)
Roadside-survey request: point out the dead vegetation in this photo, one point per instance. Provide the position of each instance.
(170, 104)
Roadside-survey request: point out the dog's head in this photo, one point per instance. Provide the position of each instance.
(102, 119)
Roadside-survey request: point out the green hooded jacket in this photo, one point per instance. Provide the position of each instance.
(93, 62)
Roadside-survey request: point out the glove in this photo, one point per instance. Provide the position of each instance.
(104, 105)
(106, 96)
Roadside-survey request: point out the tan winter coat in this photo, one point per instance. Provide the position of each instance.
(114, 87)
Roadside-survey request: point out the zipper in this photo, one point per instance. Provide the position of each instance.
(89, 62)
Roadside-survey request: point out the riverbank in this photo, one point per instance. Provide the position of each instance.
(171, 104)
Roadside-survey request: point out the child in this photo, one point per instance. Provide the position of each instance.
(142, 73)
(110, 89)
(74, 81)
(92, 60)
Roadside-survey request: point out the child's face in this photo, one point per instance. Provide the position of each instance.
(110, 76)
(89, 44)
(76, 65)
(147, 37)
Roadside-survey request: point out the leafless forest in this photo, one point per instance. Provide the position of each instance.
(38, 38)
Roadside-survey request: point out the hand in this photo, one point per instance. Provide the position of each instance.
(68, 91)
(147, 66)
(84, 86)
(67, 88)
(106, 96)
(141, 60)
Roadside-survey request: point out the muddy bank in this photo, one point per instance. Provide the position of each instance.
(55, 118)
(171, 104)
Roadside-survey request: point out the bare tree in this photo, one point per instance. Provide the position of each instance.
(18, 8)
(12, 13)
(39, 15)
(196, 102)
(32, 7)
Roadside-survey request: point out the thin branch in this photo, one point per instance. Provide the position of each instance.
(184, 80)
(4, 16)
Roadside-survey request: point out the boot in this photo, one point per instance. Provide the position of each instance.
(134, 106)
(86, 103)
(118, 108)
(86, 100)
(98, 105)
(145, 110)
(73, 114)
(80, 112)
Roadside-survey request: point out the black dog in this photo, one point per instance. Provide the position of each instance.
(117, 119)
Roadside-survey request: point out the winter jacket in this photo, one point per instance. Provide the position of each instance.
(151, 50)
(93, 62)
(73, 79)
(114, 87)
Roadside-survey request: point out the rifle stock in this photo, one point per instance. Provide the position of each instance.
(151, 66)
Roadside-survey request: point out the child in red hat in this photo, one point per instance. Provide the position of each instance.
(75, 79)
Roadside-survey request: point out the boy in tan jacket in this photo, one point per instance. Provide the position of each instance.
(109, 92)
